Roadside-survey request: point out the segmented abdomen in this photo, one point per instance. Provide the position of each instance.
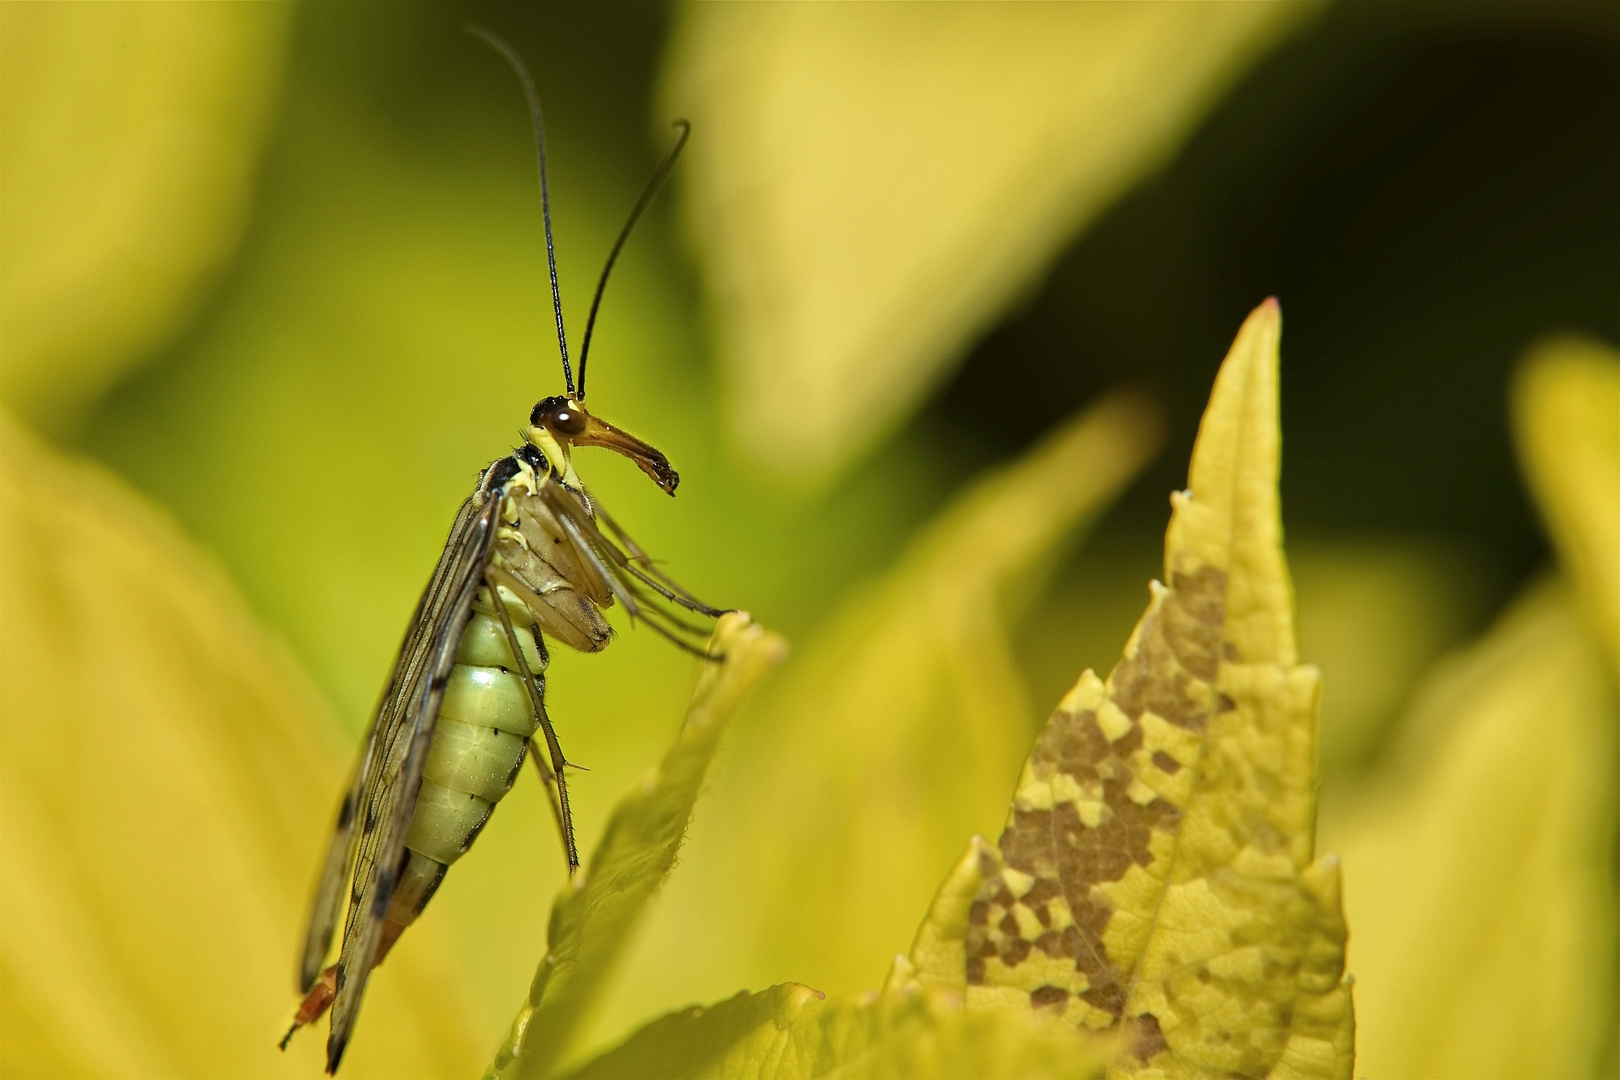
(479, 742)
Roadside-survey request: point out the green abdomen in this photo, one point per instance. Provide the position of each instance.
(479, 743)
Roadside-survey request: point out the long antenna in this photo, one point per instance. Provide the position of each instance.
(658, 177)
(522, 72)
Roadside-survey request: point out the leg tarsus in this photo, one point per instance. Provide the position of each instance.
(549, 781)
(315, 1003)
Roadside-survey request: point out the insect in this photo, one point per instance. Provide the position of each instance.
(531, 556)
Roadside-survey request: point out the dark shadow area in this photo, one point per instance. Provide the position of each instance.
(1428, 189)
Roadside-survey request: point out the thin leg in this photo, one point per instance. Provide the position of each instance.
(544, 770)
(565, 817)
(540, 766)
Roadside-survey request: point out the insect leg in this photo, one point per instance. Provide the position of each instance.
(642, 559)
(540, 765)
(547, 779)
(565, 817)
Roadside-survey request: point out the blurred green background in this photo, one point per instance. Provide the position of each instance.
(1428, 188)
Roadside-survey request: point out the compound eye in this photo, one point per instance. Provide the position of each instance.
(566, 421)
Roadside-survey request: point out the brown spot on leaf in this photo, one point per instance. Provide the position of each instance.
(1043, 890)
(1153, 679)
(1147, 1038)
(1169, 672)
(1014, 951)
(1044, 996)
(1109, 997)
(1193, 613)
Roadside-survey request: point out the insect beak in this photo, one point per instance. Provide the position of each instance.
(650, 461)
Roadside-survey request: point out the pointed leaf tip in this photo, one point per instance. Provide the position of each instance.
(1566, 412)
(1156, 872)
(1229, 521)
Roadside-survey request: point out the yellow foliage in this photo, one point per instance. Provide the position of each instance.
(872, 187)
(129, 133)
(166, 785)
(893, 734)
(1478, 888)
(1373, 613)
(1566, 409)
(1157, 870)
(597, 911)
(791, 1030)
(874, 183)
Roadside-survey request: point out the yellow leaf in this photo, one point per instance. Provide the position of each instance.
(869, 186)
(854, 780)
(1566, 411)
(595, 913)
(166, 785)
(1373, 614)
(791, 1030)
(1477, 878)
(129, 134)
(1157, 870)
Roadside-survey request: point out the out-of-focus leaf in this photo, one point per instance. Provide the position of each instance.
(1478, 883)
(596, 912)
(164, 792)
(394, 302)
(1373, 614)
(868, 186)
(1566, 409)
(129, 133)
(1157, 870)
(854, 781)
(791, 1030)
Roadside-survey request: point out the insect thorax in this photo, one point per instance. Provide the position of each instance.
(553, 584)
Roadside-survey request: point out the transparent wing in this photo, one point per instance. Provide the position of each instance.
(323, 912)
(391, 770)
(646, 592)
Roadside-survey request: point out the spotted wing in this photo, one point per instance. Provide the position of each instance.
(390, 774)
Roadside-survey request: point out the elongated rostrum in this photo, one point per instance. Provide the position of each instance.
(531, 557)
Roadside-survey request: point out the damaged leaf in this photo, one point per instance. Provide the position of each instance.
(1157, 871)
(891, 736)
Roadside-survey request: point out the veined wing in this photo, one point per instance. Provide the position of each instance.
(323, 912)
(328, 902)
(646, 592)
(391, 772)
